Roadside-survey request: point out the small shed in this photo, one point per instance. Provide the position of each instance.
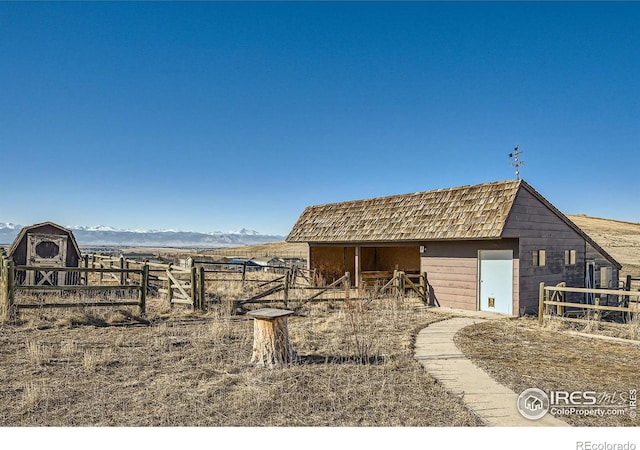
(46, 245)
(483, 247)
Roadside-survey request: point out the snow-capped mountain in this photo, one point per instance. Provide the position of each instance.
(108, 236)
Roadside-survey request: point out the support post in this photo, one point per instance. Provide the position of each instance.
(202, 287)
(169, 287)
(541, 304)
(144, 283)
(123, 276)
(347, 285)
(423, 287)
(271, 345)
(4, 294)
(194, 289)
(357, 268)
(244, 270)
(287, 278)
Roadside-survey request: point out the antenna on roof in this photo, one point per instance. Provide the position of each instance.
(516, 156)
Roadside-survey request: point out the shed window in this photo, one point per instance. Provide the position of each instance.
(539, 258)
(569, 257)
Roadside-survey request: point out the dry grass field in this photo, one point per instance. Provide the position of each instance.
(620, 239)
(354, 368)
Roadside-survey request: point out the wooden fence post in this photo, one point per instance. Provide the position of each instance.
(401, 283)
(144, 283)
(424, 287)
(169, 287)
(4, 297)
(202, 287)
(244, 270)
(541, 304)
(194, 289)
(287, 277)
(10, 311)
(347, 285)
(123, 276)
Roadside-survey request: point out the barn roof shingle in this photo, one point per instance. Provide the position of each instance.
(471, 212)
(467, 212)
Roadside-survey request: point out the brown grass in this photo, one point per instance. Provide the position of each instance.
(620, 239)
(193, 369)
(520, 354)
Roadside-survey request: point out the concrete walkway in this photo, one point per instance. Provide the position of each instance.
(494, 403)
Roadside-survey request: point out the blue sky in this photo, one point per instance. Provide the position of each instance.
(213, 116)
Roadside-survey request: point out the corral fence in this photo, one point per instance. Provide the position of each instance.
(553, 301)
(11, 303)
(186, 284)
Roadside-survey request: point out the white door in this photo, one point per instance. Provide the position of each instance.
(496, 280)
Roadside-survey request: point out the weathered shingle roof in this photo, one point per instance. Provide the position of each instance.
(468, 212)
(26, 229)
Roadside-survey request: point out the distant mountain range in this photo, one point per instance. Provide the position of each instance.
(108, 236)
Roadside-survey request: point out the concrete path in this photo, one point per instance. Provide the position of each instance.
(494, 403)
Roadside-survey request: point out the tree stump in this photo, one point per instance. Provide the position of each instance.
(271, 337)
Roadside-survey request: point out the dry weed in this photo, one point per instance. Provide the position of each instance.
(34, 394)
(38, 354)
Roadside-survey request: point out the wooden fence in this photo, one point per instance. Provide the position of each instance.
(184, 285)
(555, 296)
(10, 303)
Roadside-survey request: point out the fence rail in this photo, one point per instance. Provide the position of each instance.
(548, 296)
(10, 307)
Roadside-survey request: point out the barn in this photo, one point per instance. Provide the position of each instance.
(484, 247)
(45, 245)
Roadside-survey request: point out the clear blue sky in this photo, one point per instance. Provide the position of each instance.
(215, 116)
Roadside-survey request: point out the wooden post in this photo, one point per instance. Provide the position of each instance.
(244, 270)
(271, 345)
(123, 276)
(12, 312)
(144, 283)
(358, 269)
(287, 277)
(597, 313)
(202, 287)
(194, 290)
(401, 283)
(4, 294)
(347, 285)
(541, 304)
(169, 287)
(395, 281)
(424, 287)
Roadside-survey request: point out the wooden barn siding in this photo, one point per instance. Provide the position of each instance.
(20, 255)
(539, 228)
(452, 270)
(332, 261)
(400, 258)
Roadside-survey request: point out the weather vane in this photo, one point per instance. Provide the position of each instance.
(517, 163)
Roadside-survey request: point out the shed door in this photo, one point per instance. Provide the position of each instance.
(496, 281)
(46, 250)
